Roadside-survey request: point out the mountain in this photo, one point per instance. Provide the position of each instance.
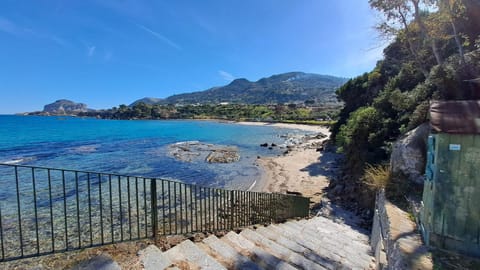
(63, 106)
(292, 87)
(146, 100)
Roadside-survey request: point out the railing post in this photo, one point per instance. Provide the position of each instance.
(232, 210)
(153, 198)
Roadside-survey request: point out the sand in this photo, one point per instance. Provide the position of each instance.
(303, 169)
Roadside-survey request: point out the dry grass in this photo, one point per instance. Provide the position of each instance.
(377, 176)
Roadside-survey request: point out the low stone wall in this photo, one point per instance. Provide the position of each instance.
(395, 240)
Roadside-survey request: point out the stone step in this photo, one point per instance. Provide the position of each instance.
(349, 257)
(227, 255)
(188, 252)
(280, 251)
(327, 223)
(307, 243)
(334, 238)
(152, 258)
(294, 246)
(257, 254)
(360, 240)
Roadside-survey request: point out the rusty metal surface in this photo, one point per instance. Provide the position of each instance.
(455, 117)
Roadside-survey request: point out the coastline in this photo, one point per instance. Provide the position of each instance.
(302, 170)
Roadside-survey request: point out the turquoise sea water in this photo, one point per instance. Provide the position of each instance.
(138, 148)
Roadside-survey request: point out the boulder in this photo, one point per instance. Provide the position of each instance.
(223, 156)
(409, 154)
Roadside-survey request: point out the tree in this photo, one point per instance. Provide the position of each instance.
(398, 14)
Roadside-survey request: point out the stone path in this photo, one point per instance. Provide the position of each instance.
(317, 243)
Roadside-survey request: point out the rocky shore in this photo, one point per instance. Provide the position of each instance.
(194, 151)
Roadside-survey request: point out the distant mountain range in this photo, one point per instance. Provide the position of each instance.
(292, 87)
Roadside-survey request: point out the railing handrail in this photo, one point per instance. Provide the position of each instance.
(50, 210)
(133, 176)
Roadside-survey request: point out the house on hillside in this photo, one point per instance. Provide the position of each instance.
(450, 217)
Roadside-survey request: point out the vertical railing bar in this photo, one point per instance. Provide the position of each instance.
(35, 209)
(191, 208)
(225, 209)
(19, 212)
(163, 209)
(186, 208)
(129, 209)
(89, 209)
(120, 206)
(180, 203)
(209, 209)
(100, 198)
(196, 209)
(1, 234)
(51, 208)
(65, 209)
(78, 210)
(231, 210)
(169, 208)
(153, 196)
(205, 209)
(111, 207)
(145, 205)
(200, 215)
(217, 212)
(175, 205)
(137, 206)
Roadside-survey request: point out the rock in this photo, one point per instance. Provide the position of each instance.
(319, 149)
(270, 147)
(195, 151)
(100, 262)
(223, 156)
(273, 145)
(264, 145)
(409, 154)
(63, 106)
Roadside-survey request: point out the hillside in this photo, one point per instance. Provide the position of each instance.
(292, 87)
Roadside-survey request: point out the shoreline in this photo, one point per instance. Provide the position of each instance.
(303, 169)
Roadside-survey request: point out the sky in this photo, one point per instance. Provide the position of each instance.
(110, 52)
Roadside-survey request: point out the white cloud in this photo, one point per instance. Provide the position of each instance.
(9, 27)
(226, 76)
(159, 36)
(108, 56)
(90, 50)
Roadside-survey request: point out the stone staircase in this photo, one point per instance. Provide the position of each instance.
(317, 243)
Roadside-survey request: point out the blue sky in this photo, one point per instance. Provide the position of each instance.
(110, 52)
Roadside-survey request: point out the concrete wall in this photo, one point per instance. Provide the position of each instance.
(395, 240)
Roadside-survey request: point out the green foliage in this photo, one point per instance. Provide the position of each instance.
(394, 97)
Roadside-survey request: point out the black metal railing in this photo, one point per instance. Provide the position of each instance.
(47, 210)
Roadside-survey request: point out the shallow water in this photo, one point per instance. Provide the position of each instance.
(137, 148)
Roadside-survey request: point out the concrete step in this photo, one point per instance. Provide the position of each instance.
(334, 238)
(329, 224)
(152, 258)
(257, 254)
(294, 246)
(349, 257)
(196, 258)
(227, 255)
(307, 243)
(360, 240)
(280, 251)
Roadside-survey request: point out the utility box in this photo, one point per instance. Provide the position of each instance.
(450, 217)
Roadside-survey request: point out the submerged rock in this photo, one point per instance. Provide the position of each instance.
(195, 151)
(223, 156)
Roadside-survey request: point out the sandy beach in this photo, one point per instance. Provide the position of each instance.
(303, 169)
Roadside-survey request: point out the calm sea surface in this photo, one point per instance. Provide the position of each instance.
(138, 148)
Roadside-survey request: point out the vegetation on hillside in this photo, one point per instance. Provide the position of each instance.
(236, 112)
(434, 55)
(291, 87)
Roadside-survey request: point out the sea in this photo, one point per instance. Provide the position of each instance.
(137, 147)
